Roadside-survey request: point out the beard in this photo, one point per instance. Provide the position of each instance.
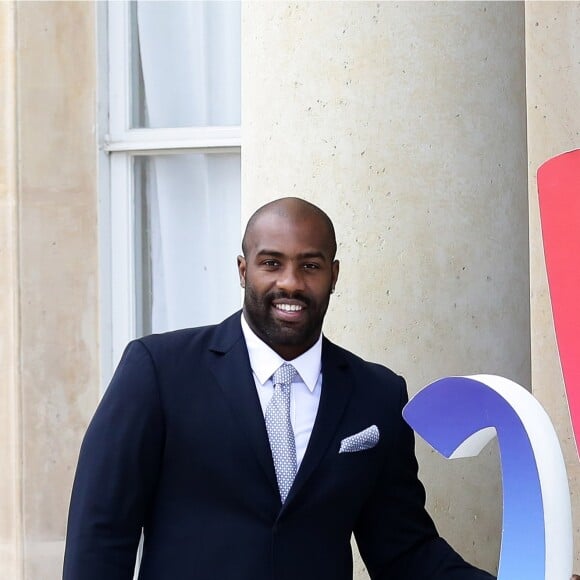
(274, 332)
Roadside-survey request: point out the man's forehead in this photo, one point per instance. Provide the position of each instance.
(276, 230)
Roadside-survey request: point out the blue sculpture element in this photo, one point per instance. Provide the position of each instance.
(458, 416)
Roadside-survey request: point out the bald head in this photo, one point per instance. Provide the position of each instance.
(292, 209)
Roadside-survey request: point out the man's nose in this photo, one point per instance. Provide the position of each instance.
(290, 280)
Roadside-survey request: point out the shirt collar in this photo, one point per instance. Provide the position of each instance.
(264, 361)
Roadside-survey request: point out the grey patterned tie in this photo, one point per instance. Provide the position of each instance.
(279, 429)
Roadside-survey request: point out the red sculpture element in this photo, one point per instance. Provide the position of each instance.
(559, 194)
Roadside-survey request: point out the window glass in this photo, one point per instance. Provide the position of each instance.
(188, 236)
(185, 64)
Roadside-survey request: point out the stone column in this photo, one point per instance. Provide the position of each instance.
(406, 123)
(553, 91)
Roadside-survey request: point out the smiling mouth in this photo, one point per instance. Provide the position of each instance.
(289, 307)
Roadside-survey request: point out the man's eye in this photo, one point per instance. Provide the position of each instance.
(311, 266)
(271, 263)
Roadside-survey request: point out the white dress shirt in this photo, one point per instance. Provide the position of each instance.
(306, 387)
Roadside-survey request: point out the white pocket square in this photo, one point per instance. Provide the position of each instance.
(365, 439)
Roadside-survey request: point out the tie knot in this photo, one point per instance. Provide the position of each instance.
(284, 374)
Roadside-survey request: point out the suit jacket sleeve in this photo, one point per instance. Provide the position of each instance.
(117, 474)
(395, 535)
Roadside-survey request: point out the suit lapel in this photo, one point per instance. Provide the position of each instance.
(230, 365)
(336, 391)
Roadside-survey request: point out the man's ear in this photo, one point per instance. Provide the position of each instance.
(242, 270)
(335, 269)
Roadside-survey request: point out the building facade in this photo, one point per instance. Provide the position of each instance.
(418, 127)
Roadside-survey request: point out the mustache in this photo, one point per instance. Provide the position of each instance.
(288, 296)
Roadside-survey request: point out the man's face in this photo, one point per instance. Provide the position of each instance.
(288, 274)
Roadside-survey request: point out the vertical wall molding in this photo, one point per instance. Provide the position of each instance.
(11, 521)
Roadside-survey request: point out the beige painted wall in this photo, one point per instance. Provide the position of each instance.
(49, 274)
(553, 92)
(406, 122)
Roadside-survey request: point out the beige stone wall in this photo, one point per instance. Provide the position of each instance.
(553, 92)
(406, 122)
(49, 275)
(58, 262)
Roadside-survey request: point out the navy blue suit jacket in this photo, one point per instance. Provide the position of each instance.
(178, 448)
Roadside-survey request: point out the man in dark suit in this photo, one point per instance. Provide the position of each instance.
(234, 473)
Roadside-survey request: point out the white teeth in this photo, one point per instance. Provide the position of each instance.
(289, 307)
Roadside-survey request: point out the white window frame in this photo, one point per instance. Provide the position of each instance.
(119, 145)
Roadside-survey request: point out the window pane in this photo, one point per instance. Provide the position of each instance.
(188, 229)
(185, 63)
